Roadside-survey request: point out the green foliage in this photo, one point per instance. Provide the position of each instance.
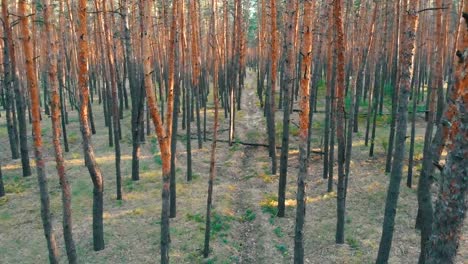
(15, 187)
(253, 135)
(249, 216)
(293, 130)
(3, 200)
(157, 157)
(282, 248)
(388, 90)
(72, 138)
(384, 143)
(278, 231)
(352, 242)
(220, 224)
(235, 146)
(383, 120)
(195, 217)
(348, 103)
(269, 205)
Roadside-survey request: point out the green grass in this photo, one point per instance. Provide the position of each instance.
(198, 218)
(249, 216)
(282, 248)
(293, 130)
(220, 224)
(352, 242)
(268, 206)
(278, 232)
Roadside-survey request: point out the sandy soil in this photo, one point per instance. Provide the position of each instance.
(245, 229)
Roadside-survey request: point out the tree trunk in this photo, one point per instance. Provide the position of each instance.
(425, 210)
(163, 133)
(19, 93)
(450, 207)
(88, 149)
(271, 89)
(340, 111)
(288, 86)
(2, 187)
(307, 54)
(214, 49)
(52, 52)
(115, 100)
(36, 126)
(406, 55)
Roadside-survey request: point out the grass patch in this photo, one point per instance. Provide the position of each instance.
(80, 188)
(353, 242)
(5, 216)
(253, 135)
(198, 218)
(3, 200)
(269, 205)
(282, 248)
(293, 130)
(266, 178)
(15, 187)
(220, 224)
(235, 146)
(249, 216)
(278, 231)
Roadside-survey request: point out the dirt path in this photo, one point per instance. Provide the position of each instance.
(253, 234)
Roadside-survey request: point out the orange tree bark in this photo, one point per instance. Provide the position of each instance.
(115, 103)
(272, 87)
(163, 133)
(88, 149)
(36, 129)
(406, 48)
(340, 113)
(306, 52)
(52, 52)
(450, 207)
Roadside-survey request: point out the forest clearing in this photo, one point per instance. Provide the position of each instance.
(217, 132)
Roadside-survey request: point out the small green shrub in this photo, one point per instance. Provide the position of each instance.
(249, 216)
(278, 231)
(282, 248)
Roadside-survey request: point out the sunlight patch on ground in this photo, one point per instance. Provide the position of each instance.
(292, 202)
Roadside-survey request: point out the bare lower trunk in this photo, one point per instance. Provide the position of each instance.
(36, 128)
(88, 150)
(306, 50)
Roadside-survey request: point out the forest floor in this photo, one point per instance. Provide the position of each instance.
(244, 226)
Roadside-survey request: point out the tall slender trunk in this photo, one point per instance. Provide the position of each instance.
(396, 91)
(88, 149)
(46, 215)
(307, 54)
(271, 94)
(163, 132)
(52, 53)
(209, 201)
(406, 61)
(2, 187)
(340, 111)
(360, 73)
(425, 210)
(19, 93)
(115, 100)
(288, 86)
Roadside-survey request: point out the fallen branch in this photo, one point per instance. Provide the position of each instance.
(247, 143)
